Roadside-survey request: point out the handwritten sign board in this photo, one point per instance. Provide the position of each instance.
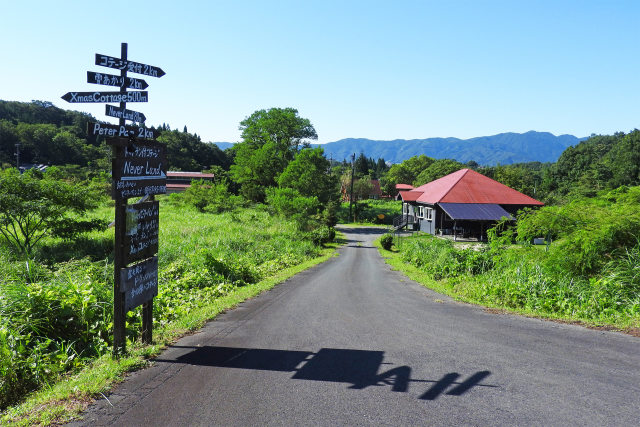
(140, 170)
(141, 232)
(123, 113)
(130, 66)
(98, 97)
(117, 131)
(139, 283)
(119, 81)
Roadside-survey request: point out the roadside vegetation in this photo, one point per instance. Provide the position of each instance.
(217, 247)
(588, 271)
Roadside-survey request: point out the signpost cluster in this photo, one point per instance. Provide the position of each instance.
(138, 171)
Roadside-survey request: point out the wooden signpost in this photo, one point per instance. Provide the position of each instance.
(138, 170)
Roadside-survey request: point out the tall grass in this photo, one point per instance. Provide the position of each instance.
(56, 313)
(525, 278)
(591, 271)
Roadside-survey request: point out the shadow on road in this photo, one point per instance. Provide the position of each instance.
(359, 368)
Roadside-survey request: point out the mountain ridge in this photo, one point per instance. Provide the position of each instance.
(503, 148)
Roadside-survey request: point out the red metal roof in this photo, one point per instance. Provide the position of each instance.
(469, 186)
(410, 196)
(404, 187)
(180, 174)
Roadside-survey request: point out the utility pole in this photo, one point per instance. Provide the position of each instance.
(353, 168)
(17, 154)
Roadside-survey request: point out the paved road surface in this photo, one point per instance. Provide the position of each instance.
(351, 342)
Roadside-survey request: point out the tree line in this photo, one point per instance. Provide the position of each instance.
(50, 135)
(272, 139)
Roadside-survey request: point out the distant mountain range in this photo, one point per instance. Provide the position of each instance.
(504, 148)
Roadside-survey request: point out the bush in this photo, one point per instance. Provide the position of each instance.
(386, 241)
(322, 235)
(289, 203)
(34, 205)
(208, 196)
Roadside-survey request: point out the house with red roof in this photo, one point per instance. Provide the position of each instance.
(464, 203)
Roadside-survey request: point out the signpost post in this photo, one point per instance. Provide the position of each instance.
(138, 170)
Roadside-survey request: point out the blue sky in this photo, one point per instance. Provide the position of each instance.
(370, 69)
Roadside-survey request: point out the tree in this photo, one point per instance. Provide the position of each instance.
(362, 188)
(361, 166)
(405, 173)
(187, 152)
(290, 203)
(309, 174)
(270, 140)
(436, 170)
(33, 205)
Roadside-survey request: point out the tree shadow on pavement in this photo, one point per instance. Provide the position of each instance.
(358, 368)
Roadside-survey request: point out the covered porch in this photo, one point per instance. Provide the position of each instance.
(469, 221)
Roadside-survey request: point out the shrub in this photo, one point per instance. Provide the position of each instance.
(208, 196)
(34, 205)
(386, 241)
(322, 235)
(289, 203)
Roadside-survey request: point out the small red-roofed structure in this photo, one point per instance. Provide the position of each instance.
(178, 181)
(464, 202)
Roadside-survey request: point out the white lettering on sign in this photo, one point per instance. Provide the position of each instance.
(134, 116)
(129, 169)
(142, 152)
(109, 97)
(127, 190)
(121, 131)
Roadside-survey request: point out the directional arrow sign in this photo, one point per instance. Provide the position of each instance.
(130, 66)
(123, 113)
(97, 97)
(111, 80)
(114, 131)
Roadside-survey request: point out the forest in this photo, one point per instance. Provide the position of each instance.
(272, 206)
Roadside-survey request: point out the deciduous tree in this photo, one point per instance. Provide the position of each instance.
(270, 140)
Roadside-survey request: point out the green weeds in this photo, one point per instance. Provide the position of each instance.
(56, 317)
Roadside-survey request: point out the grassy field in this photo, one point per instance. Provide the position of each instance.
(55, 314)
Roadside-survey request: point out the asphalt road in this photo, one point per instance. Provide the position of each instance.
(350, 342)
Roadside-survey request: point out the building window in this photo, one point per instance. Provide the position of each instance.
(427, 213)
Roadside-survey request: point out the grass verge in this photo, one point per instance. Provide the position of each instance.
(66, 399)
(451, 287)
